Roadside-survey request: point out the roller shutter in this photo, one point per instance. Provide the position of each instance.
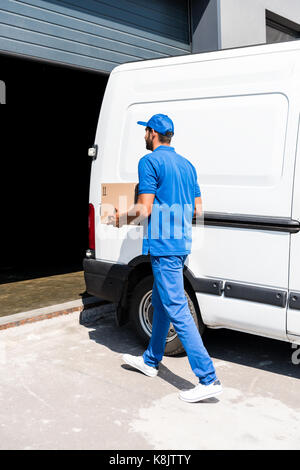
(95, 34)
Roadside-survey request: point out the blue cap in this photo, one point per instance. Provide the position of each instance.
(160, 123)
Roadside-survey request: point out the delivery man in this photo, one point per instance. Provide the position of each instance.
(168, 197)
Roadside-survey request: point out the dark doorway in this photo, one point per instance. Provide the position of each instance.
(47, 125)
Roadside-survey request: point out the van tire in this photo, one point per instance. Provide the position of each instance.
(140, 315)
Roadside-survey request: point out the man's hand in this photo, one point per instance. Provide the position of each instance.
(116, 219)
(140, 210)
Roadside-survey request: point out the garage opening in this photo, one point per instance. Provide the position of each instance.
(47, 125)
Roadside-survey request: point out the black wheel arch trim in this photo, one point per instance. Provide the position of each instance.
(139, 260)
(209, 286)
(204, 285)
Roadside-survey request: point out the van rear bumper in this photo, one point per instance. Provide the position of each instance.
(105, 280)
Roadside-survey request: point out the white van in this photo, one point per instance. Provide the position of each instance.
(236, 118)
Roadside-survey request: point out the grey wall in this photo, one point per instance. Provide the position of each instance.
(243, 22)
(97, 34)
(222, 24)
(205, 25)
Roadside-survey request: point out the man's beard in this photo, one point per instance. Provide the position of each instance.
(149, 144)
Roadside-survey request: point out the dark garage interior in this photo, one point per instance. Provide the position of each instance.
(55, 60)
(47, 125)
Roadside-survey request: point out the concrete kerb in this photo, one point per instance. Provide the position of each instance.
(91, 309)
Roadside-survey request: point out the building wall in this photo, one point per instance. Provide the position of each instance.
(95, 34)
(222, 24)
(243, 22)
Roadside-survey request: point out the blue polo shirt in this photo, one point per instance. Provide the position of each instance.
(173, 180)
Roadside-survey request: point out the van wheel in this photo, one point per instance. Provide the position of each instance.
(141, 314)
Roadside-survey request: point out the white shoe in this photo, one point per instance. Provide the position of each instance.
(201, 392)
(138, 363)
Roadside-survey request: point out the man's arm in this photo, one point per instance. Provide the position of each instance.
(141, 210)
(198, 207)
(148, 177)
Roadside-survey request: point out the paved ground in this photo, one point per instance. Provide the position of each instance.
(21, 296)
(64, 386)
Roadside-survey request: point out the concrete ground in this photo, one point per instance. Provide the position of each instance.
(64, 386)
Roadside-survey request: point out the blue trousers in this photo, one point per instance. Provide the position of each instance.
(170, 305)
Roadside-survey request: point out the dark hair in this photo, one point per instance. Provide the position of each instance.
(164, 139)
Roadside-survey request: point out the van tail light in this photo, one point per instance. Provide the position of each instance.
(91, 227)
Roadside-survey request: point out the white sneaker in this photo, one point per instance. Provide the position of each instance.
(201, 392)
(138, 363)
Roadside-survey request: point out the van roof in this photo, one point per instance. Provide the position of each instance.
(206, 56)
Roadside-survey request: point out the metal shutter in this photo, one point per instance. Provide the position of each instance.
(95, 34)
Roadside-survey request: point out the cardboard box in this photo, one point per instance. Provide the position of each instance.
(119, 196)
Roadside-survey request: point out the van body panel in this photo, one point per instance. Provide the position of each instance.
(236, 117)
(243, 315)
(293, 312)
(237, 254)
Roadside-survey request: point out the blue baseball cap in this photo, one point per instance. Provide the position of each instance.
(160, 123)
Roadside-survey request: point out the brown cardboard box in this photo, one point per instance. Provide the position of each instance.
(117, 195)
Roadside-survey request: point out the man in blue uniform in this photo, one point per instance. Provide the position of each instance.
(169, 196)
